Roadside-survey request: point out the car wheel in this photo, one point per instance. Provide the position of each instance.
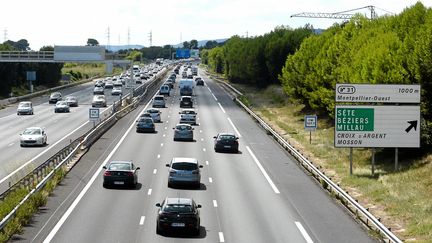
(169, 184)
(105, 185)
(158, 230)
(197, 231)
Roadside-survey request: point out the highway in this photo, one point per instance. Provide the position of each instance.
(257, 195)
(61, 129)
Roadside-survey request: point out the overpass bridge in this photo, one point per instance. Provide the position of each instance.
(62, 54)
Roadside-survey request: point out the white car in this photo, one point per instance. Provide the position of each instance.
(109, 84)
(188, 116)
(99, 101)
(98, 90)
(33, 136)
(116, 91)
(25, 107)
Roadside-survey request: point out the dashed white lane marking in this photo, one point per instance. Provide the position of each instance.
(215, 203)
(221, 237)
(207, 163)
(235, 129)
(210, 180)
(161, 144)
(167, 122)
(201, 131)
(154, 171)
(168, 117)
(158, 156)
(214, 96)
(221, 107)
(164, 135)
(204, 149)
(303, 232)
(149, 192)
(11, 144)
(166, 128)
(202, 139)
(269, 180)
(142, 220)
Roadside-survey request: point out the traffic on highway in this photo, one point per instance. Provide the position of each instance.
(187, 165)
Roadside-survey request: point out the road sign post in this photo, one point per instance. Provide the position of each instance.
(310, 124)
(94, 115)
(377, 126)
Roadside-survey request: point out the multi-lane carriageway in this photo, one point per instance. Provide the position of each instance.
(257, 195)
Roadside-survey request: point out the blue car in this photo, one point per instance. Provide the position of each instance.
(145, 124)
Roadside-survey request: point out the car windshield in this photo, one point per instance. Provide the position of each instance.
(24, 105)
(180, 208)
(227, 137)
(119, 166)
(184, 166)
(32, 132)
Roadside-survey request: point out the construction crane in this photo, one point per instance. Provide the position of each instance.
(339, 15)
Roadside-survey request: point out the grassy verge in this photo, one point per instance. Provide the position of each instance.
(27, 210)
(403, 200)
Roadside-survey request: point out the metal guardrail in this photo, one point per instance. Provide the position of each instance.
(67, 156)
(352, 204)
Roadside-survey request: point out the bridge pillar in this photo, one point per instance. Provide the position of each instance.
(109, 66)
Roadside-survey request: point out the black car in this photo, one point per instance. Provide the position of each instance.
(186, 101)
(120, 173)
(178, 214)
(199, 81)
(226, 142)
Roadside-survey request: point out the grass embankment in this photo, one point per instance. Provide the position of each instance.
(403, 200)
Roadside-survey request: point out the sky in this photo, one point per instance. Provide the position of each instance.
(59, 22)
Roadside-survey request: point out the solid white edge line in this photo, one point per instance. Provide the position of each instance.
(210, 180)
(215, 203)
(142, 219)
(221, 237)
(42, 153)
(149, 192)
(221, 107)
(303, 232)
(154, 171)
(269, 180)
(68, 212)
(235, 128)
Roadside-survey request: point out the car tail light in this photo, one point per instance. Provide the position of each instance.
(129, 174)
(195, 172)
(173, 172)
(107, 173)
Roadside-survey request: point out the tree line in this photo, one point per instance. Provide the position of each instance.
(259, 60)
(393, 49)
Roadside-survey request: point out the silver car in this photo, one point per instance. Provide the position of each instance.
(61, 106)
(25, 107)
(184, 171)
(98, 90)
(183, 132)
(99, 101)
(33, 136)
(159, 101)
(72, 101)
(155, 114)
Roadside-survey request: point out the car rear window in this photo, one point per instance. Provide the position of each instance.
(180, 208)
(184, 166)
(183, 127)
(119, 166)
(227, 137)
(186, 99)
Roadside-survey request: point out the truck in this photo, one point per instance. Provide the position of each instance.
(186, 87)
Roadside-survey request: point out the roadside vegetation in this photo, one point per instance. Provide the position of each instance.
(388, 50)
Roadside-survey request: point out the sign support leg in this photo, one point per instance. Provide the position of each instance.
(351, 160)
(373, 161)
(396, 159)
(310, 137)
